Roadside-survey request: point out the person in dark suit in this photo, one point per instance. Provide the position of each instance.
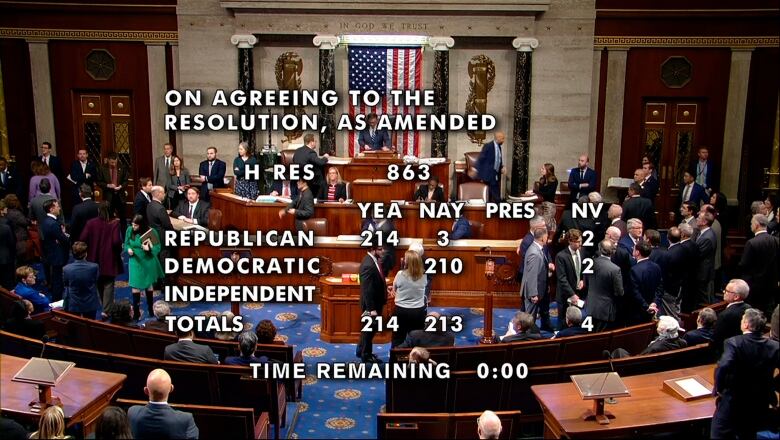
(703, 170)
(605, 286)
(19, 321)
(247, 344)
(334, 189)
(533, 224)
(284, 188)
(307, 155)
(690, 191)
(735, 293)
(104, 247)
(647, 183)
(624, 261)
(533, 288)
(647, 283)
(373, 296)
(668, 337)
(55, 244)
(430, 192)
(490, 165)
(573, 323)
(54, 162)
(212, 173)
(82, 172)
(461, 229)
(440, 337)
(582, 179)
(184, 350)
(8, 179)
(689, 254)
(372, 138)
(658, 253)
(193, 210)
(523, 324)
(688, 211)
(302, 207)
(633, 237)
(676, 270)
(760, 265)
(80, 280)
(744, 381)
(705, 269)
(614, 215)
(143, 197)
(156, 214)
(568, 271)
(7, 251)
(639, 207)
(157, 419)
(162, 165)
(705, 328)
(82, 213)
(160, 309)
(113, 180)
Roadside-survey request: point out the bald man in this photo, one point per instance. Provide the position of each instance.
(582, 179)
(490, 165)
(488, 425)
(157, 419)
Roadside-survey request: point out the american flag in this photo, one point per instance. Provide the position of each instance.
(383, 69)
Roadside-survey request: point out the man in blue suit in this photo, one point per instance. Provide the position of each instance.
(582, 180)
(461, 229)
(55, 247)
(647, 283)
(157, 419)
(372, 138)
(490, 165)
(212, 173)
(690, 191)
(80, 279)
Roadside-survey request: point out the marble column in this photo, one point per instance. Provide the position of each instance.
(521, 133)
(245, 43)
(735, 123)
(42, 97)
(327, 81)
(176, 83)
(155, 56)
(441, 90)
(613, 115)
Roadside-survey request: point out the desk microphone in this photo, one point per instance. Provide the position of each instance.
(44, 339)
(608, 354)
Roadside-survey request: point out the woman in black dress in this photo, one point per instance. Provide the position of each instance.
(547, 184)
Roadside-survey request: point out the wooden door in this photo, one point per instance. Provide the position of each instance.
(104, 124)
(669, 133)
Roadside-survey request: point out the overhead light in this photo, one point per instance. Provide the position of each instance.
(384, 40)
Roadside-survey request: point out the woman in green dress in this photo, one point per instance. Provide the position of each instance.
(143, 265)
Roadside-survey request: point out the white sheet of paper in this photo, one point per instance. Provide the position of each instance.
(693, 387)
(57, 304)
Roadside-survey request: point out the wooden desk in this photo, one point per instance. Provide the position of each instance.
(345, 219)
(340, 309)
(84, 393)
(377, 169)
(648, 410)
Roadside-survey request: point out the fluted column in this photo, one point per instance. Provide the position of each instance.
(327, 45)
(42, 96)
(245, 43)
(441, 90)
(522, 115)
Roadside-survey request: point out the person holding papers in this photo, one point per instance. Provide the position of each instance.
(302, 207)
(284, 188)
(144, 269)
(430, 192)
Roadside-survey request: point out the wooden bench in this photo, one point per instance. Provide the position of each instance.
(442, 425)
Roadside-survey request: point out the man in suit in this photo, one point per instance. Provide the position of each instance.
(533, 224)
(705, 327)
(582, 179)
(573, 325)
(212, 173)
(143, 197)
(705, 269)
(533, 289)
(688, 257)
(636, 206)
(735, 294)
(284, 188)
(307, 155)
(8, 184)
(605, 286)
(247, 345)
(373, 296)
(430, 192)
(614, 215)
(649, 184)
(703, 170)
(193, 210)
(156, 213)
(372, 138)
(7, 255)
(523, 324)
(760, 265)
(302, 207)
(658, 254)
(54, 162)
(184, 350)
(690, 191)
(157, 419)
(634, 236)
(744, 381)
(675, 270)
(490, 165)
(161, 309)
(82, 172)
(162, 166)
(80, 280)
(596, 224)
(647, 283)
(113, 180)
(83, 212)
(440, 337)
(568, 271)
(623, 260)
(688, 211)
(55, 244)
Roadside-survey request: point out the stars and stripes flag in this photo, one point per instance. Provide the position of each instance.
(382, 69)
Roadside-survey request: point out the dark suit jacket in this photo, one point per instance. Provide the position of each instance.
(698, 194)
(707, 244)
(381, 139)
(216, 178)
(710, 175)
(188, 351)
(461, 229)
(624, 261)
(698, 336)
(571, 331)
(422, 193)
(605, 285)
(158, 218)
(78, 175)
(304, 208)
(80, 281)
(729, 324)
(575, 182)
(421, 338)
(305, 155)
(660, 256)
(649, 188)
(201, 213)
(373, 288)
(157, 326)
(486, 163)
(647, 281)
(679, 265)
(546, 191)
(9, 182)
(82, 213)
(641, 208)
(759, 266)
(7, 247)
(341, 192)
(104, 178)
(54, 242)
(154, 421)
(55, 165)
(627, 243)
(277, 186)
(567, 279)
(141, 203)
(662, 345)
(523, 336)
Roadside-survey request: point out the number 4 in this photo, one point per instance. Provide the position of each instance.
(587, 323)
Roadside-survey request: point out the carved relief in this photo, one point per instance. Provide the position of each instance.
(482, 73)
(288, 69)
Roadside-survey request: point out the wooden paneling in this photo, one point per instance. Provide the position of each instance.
(147, 15)
(340, 307)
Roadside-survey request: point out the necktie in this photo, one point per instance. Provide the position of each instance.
(46, 160)
(577, 267)
(190, 214)
(582, 175)
(498, 158)
(167, 162)
(687, 193)
(2, 177)
(84, 167)
(286, 190)
(373, 134)
(700, 177)
(210, 165)
(113, 176)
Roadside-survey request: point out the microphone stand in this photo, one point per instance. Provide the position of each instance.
(610, 400)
